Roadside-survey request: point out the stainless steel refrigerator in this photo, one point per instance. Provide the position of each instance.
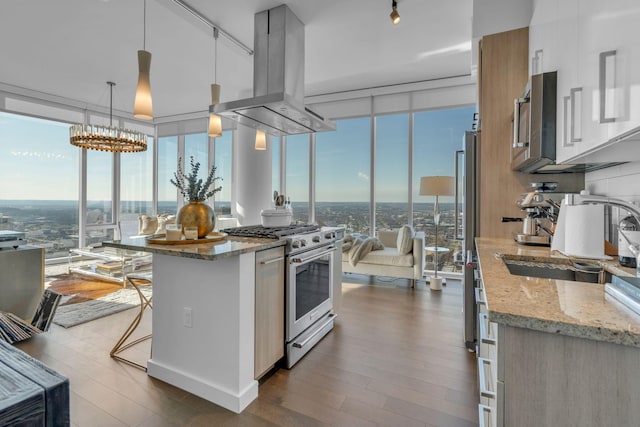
(467, 202)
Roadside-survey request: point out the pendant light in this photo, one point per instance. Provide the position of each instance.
(395, 16)
(215, 123)
(142, 106)
(107, 138)
(261, 140)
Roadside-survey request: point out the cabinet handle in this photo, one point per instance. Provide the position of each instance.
(575, 92)
(485, 412)
(330, 319)
(271, 261)
(456, 197)
(486, 389)
(603, 83)
(485, 327)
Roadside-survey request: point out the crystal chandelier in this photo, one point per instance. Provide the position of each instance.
(107, 138)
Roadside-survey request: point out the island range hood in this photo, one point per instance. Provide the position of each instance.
(277, 106)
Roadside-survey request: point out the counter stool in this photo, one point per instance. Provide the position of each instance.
(145, 302)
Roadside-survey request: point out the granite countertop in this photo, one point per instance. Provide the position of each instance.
(230, 246)
(566, 307)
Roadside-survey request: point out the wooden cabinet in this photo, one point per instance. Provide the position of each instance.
(22, 280)
(559, 380)
(270, 306)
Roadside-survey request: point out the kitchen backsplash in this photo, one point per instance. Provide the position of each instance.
(622, 182)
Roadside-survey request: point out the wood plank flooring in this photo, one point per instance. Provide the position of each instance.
(395, 358)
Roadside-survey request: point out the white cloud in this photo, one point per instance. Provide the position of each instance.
(363, 176)
(37, 154)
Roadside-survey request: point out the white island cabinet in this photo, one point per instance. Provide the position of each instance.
(204, 317)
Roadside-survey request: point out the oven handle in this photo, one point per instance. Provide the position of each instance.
(298, 260)
(330, 319)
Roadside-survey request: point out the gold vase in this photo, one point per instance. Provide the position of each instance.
(197, 214)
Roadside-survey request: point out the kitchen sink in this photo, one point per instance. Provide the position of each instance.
(558, 269)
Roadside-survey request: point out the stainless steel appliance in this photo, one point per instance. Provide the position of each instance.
(311, 258)
(534, 124)
(277, 106)
(541, 214)
(468, 202)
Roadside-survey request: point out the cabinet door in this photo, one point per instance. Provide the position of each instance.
(623, 79)
(569, 107)
(543, 37)
(269, 317)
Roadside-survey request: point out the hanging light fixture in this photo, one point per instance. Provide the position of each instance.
(395, 16)
(107, 138)
(142, 105)
(215, 123)
(261, 140)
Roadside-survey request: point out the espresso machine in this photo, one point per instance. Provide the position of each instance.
(541, 214)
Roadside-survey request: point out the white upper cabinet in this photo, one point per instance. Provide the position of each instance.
(543, 35)
(593, 44)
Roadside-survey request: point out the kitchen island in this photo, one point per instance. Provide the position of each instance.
(566, 353)
(203, 321)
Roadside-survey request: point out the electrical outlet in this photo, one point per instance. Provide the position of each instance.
(187, 317)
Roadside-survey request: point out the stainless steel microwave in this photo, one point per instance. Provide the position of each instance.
(534, 124)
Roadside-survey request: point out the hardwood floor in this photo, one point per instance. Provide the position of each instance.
(395, 358)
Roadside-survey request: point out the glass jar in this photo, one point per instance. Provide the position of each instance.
(630, 227)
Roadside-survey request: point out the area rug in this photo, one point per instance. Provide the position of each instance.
(123, 299)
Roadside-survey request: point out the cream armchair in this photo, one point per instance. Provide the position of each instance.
(389, 262)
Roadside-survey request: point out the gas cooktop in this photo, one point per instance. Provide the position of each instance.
(270, 232)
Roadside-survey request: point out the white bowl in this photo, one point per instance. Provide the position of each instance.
(276, 217)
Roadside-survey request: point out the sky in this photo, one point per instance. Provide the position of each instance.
(37, 161)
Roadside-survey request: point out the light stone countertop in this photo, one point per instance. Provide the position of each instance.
(566, 307)
(230, 246)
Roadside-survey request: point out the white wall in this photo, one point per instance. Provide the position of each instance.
(622, 182)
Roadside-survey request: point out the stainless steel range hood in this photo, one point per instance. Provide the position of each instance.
(277, 106)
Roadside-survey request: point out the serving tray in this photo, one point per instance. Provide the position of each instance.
(214, 236)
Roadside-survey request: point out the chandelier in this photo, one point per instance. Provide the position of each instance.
(107, 138)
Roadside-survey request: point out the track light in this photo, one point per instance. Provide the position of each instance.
(395, 16)
(261, 140)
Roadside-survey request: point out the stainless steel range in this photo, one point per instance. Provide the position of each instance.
(311, 260)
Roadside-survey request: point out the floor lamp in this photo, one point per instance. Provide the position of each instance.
(436, 186)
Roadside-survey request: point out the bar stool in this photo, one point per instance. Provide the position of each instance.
(145, 302)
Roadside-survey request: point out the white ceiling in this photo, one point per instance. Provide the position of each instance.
(71, 48)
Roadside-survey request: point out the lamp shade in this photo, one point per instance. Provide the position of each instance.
(142, 105)
(261, 140)
(215, 125)
(437, 186)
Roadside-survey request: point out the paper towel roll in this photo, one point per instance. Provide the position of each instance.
(584, 231)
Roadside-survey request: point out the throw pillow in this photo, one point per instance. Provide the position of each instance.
(163, 220)
(147, 224)
(405, 240)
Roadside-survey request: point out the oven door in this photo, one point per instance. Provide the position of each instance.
(309, 288)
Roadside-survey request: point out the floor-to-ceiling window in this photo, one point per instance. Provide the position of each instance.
(167, 163)
(39, 176)
(297, 176)
(343, 163)
(391, 171)
(276, 153)
(223, 162)
(136, 183)
(437, 136)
